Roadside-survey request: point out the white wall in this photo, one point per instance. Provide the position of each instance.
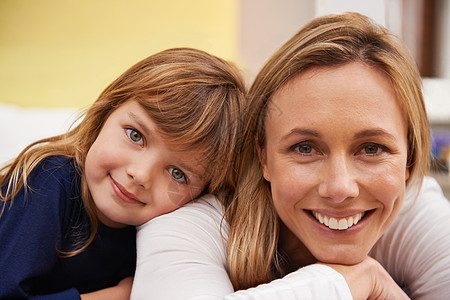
(444, 40)
(265, 25)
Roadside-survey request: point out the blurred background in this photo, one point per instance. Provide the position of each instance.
(56, 56)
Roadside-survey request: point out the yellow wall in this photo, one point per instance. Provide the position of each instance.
(64, 52)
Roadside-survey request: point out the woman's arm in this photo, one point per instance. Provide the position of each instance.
(182, 255)
(416, 248)
(369, 280)
(121, 291)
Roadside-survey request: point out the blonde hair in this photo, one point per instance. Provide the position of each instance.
(326, 41)
(195, 98)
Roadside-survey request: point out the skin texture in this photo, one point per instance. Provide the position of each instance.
(121, 291)
(338, 148)
(369, 280)
(134, 174)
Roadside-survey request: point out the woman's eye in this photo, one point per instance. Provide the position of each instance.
(304, 148)
(373, 149)
(135, 136)
(178, 175)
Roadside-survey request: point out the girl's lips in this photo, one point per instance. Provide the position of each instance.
(123, 194)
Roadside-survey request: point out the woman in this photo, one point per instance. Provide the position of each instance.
(336, 135)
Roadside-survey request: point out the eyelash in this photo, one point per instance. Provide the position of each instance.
(378, 148)
(311, 148)
(296, 148)
(183, 175)
(130, 131)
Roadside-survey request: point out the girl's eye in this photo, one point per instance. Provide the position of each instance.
(135, 136)
(178, 175)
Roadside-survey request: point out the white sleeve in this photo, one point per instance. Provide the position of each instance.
(182, 255)
(415, 250)
(314, 282)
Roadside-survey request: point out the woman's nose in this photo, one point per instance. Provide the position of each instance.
(339, 181)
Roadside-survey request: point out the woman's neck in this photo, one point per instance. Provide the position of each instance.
(297, 255)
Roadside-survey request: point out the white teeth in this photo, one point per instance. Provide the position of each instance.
(350, 221)
(340, 224)
(343, 224)
(333, 223)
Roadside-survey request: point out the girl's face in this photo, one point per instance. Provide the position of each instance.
(335, 157)
(134, 175)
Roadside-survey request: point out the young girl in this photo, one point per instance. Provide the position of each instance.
(160, 135)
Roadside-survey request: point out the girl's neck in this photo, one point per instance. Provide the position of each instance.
(297, 255)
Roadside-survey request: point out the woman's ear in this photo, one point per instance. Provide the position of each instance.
(407, 173)
(262, 155)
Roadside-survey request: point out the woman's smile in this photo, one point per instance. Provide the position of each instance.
(338, 223)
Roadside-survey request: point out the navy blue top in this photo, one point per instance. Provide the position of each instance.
(50, 216)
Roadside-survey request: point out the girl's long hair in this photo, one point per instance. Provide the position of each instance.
(326, 41)
(195, 98)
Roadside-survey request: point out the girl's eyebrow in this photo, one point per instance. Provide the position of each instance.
(142, 126)
(192, 171)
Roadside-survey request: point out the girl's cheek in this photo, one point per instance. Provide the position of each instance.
(180, 194)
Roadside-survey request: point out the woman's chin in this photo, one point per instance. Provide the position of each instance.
(340, 258)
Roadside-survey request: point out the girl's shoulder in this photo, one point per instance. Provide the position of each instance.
(56, 174)
(55, 165)
(54, 182)
(53, 172)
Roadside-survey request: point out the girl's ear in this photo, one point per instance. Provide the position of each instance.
(262, 155)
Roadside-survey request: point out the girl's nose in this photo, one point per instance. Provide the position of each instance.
(141, 173)
(338, 180)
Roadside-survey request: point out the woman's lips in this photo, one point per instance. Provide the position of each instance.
(123, 194)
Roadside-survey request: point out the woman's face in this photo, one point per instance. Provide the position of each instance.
(335, 157)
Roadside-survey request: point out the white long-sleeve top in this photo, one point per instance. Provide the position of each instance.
(182, 255)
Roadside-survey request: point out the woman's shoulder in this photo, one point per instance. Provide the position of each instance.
(418, 197)
(206, 204)
(205, 213)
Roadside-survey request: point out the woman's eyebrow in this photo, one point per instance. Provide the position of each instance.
(301, 131)
(373, 132)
